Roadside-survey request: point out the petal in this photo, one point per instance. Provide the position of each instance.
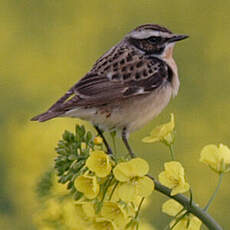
(171, 207)
(99, 163)
(88, 209)
(113, 212)
(195, 223)
(180, 189)
(174, 168)
(209, 155)
(104, 224)
(164, 179)
(87, 185)
(224, 153)
(150, 139)
(144, 186)
(122, 171)
(140, 167)
(127, 192)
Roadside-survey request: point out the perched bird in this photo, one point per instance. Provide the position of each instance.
(127, 87)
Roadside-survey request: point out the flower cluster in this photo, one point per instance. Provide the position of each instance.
(107, 190)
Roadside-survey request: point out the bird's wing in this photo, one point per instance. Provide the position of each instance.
(105, 87)
(113, 79)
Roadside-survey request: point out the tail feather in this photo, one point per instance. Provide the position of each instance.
(46, 116)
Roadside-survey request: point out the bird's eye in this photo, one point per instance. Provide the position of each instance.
(154, 39)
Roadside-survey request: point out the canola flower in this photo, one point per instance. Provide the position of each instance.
(182, 220)
(174, 178)
(133, 179)
(216, 157)
(162, 133)
(87, 185)
(99, 163)
(109, 192)
(115, 213)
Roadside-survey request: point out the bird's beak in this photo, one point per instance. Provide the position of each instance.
(177, 37)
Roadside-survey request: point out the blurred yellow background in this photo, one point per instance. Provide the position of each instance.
(47, 45)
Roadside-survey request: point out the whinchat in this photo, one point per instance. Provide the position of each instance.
(127, 87)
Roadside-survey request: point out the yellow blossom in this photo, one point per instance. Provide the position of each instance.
(114, 212)
(189, 222)
(99, 163)
(87, 208)
(173, 177)
(171, 207)
(134, 183)
(104, 224)
(136, 167)
(87, 185)
(162, 133)
(216, 157)
(97, 140)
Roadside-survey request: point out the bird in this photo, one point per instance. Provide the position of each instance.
(127, 86)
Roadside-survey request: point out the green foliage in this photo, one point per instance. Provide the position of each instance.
(73, 150)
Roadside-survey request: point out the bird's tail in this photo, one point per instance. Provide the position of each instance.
(46, 116)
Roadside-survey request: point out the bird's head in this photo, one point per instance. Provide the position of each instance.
(154, 40)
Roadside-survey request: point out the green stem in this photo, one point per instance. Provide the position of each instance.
(106, 188)
(215, 192)
(139, 207)
(114, 187)
(193, 208)
(191, 197)
(171, 151)
(113, 135)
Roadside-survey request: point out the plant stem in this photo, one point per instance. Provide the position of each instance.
(139, 207)
(113, 135)
(114, 187)
(193, 208)
(215, 192)
(171, 151)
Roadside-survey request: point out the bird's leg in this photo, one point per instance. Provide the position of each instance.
(100, 133)
(124, 138)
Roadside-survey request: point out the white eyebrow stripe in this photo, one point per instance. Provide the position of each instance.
(148, 33)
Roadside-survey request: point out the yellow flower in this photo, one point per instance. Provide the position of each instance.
(189, 222)
(162, 133)
(216, 157)
(73, 215)
(173, 177)
(112, 211)
(136, 167)
(104, 224)
(87, 185)
(99, 163)
(87, 208)
(171, 207)
(133, 180)
(97, 140)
